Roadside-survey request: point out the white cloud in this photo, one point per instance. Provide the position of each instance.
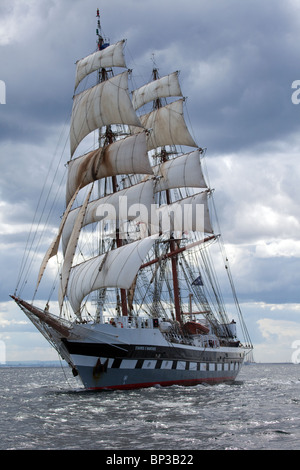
(11, 319)
(282, 329)
(280, 339)
(21, 19)
(278, 248)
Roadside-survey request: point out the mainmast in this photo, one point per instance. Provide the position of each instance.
(164, 157)
(109, 138)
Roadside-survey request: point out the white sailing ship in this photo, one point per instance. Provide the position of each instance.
(138, 299)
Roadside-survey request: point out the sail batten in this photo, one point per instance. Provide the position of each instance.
(105, 104)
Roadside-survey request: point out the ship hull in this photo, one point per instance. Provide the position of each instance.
(115, 358)
(140, 366)
(128, 377)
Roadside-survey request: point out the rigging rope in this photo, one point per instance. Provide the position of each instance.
(32, 233)
(228, 271)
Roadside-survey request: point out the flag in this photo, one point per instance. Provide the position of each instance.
(198, 281)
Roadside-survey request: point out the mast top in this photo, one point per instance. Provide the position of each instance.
(101, 42)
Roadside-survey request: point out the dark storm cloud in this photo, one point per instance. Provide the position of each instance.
(237, 62)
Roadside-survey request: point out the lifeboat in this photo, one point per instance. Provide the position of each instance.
(195, 328)
(165, 326)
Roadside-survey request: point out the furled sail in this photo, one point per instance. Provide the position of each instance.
(166, 126)
(120, 206)
(111, 56)
(161, 88)
(117, 268)
(188, 214)
(183, 171)
(105, 104)
(126, 156)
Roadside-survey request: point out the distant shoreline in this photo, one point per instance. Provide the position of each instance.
(33, 364)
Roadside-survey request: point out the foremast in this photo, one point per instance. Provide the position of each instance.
(107, 137)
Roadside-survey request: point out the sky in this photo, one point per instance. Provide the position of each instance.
(238, 62)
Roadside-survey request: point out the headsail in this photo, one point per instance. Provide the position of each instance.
(70, 252)
(53, 248)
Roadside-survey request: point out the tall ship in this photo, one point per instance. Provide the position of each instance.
(137, 301)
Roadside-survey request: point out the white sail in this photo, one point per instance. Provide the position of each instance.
(105, 104)
(123, 157)
(189, 214)
(111, 56)
(70, 252)
(166, 126)
(183, 171)
(161, 88)
(120, 206)
(53, 249)
(116, 268)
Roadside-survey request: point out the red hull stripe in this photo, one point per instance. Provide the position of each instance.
(163, 384)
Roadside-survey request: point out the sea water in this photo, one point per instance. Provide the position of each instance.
(46, 408)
